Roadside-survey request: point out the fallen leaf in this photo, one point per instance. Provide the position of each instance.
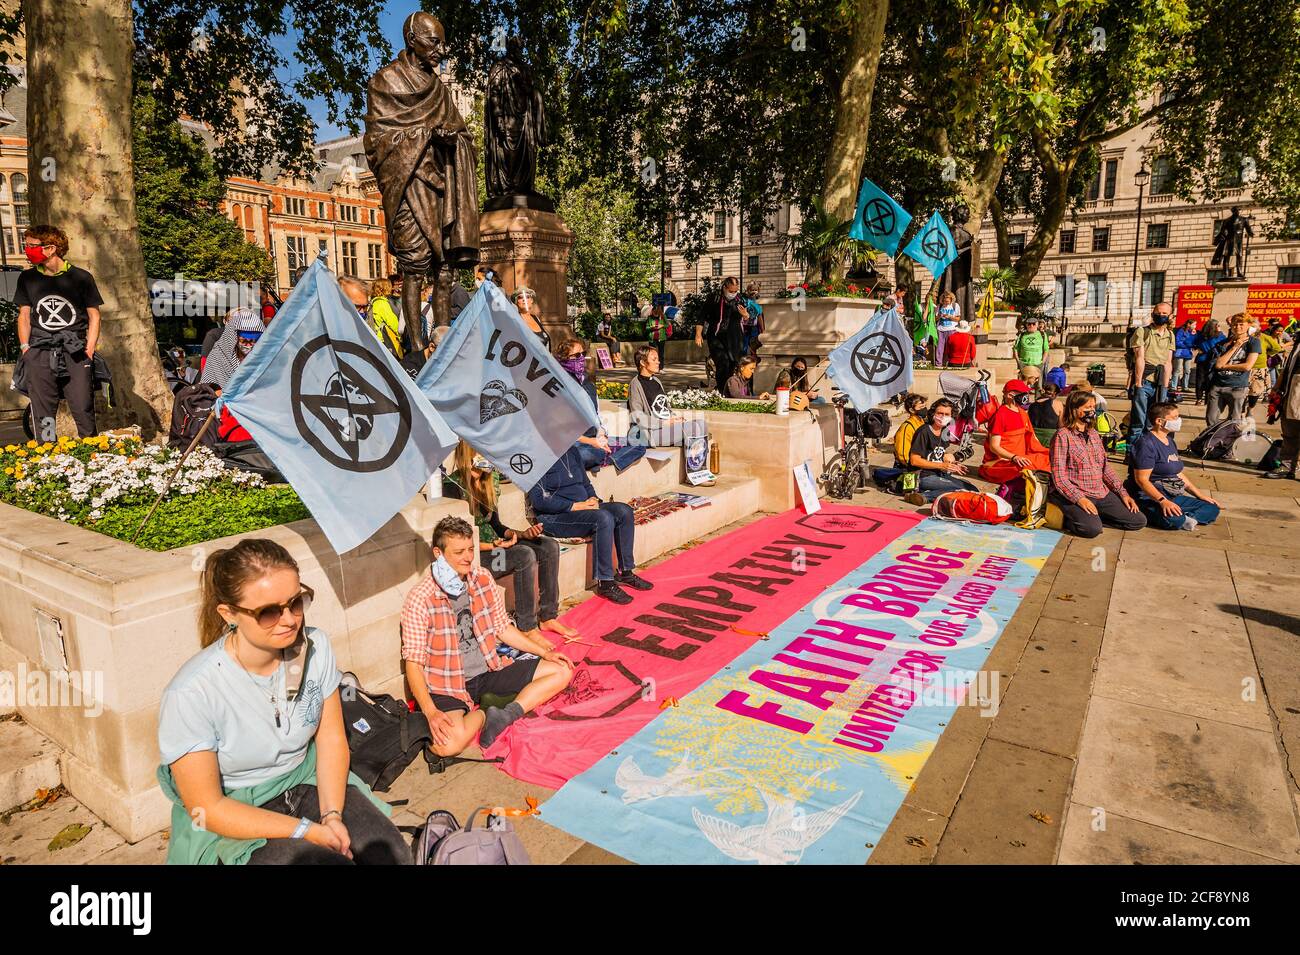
(1041, 816)
(918, 841)
(68, 836)
(1069, 597)
(1017, 843)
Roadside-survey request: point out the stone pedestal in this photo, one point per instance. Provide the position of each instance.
(1229, 299)
(530, 247)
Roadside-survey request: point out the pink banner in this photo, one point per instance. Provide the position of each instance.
(709, 605)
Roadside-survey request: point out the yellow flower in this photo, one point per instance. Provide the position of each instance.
(9, 470)
(11, 448)
(31, 444)
(20, 454)
(18, 473)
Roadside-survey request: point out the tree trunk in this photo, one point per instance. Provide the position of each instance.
(853, 109)
(81, 179)
(1000, 230)
(977, 190)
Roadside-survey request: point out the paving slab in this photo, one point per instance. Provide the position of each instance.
(912, 838)
(1217, 781)
(26, 838)
(1124, 841)
(993, 821)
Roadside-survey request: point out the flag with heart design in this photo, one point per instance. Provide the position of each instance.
(528, 411)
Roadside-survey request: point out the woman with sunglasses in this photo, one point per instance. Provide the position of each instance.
(529, 557)
(254, 752)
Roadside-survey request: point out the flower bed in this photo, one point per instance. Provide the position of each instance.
(692, 399)
(837, 288)
(107, 484)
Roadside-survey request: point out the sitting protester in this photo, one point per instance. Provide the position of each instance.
(961, 346)
(741, 384)
(799, 379)
(1084, 485)
(452, 623)
(653, 422)
(1045, 413)
(1012, 447)
(254, 752)
(593, 445)
(567, 506)
(529, 557)
(176, 369)
(243, 327)
(930, 456)
(915, 407)
(1158, 482)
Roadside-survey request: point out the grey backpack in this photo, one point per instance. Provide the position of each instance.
(441, 841)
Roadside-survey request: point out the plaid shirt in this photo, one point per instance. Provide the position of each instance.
(1079, 466)
(431, 639)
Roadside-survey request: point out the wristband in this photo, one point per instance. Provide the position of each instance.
(332, 812)
(24, 346)
(303, 825)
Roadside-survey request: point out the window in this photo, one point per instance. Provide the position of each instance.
(1101, 239)
(719, 226)
(321, 245)
(1214, 230)
(1153, 288)
(1094, 187)
(373, 260)
(295, 248)
(716, 268)
(1097, 290)
(756, 229)
(372, 216)
(1162, 176)
(1067, 240)
(348, 213)
(1063, 294)
(295, 206)
(1158, 235)
(668, 268)
(350, 258)
(1016, 243)
(1112, 171)
(19, 183)
(1288, 275)
(751, 266)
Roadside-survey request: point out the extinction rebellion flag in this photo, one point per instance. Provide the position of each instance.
(502, 391)
(879, 219)
(336, 413)
(876, 363)
(933, 246)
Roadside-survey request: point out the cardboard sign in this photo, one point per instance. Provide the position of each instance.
(602, 357)
(807, 484)
(696, 448)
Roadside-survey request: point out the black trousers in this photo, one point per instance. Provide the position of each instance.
(535, 565)
(1110, 510)
(375, 840)
(45, 388)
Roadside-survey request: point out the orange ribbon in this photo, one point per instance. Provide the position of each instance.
(670, 701)
(750, 633)
(532, 809)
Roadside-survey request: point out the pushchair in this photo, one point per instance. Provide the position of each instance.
(968, 399)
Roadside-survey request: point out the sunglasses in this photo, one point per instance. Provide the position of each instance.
(267, 617)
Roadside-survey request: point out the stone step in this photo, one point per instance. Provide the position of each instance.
(28, 762)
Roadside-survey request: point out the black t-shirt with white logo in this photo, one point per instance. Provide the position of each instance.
(930, 446)
(58, 302)
(655, 398)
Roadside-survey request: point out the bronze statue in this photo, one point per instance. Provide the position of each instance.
(422, 156)
(956, 277)
(514, 121)
(1230, 244)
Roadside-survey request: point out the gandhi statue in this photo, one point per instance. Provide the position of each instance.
(422, 156)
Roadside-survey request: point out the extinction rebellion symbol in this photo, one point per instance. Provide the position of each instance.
(521, 463)
(877, 360)
(935, 244)
(878, 217)
(358, 391)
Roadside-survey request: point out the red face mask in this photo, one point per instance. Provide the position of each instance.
(35, 254)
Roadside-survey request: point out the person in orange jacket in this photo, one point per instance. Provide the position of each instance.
(1012, 447)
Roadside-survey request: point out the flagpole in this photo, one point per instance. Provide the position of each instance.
(166, 487)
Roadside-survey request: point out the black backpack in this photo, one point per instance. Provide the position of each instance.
(190, 409)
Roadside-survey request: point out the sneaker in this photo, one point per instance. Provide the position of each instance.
(916, 499)
(630, 579)
(1280, 474)
(612, 592)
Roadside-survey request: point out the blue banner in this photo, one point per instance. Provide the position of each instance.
(337, 414)
(876, 363)
(804, 747)
(500, 389)
(879, 219)
(933, 246)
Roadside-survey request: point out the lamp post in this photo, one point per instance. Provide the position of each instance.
(1141, 179)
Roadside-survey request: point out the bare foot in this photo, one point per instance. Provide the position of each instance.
(556, 627)
(536, 636)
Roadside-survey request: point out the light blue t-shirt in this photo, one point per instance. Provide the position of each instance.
(215, 704)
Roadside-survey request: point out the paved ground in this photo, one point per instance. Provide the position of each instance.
(1149, 712)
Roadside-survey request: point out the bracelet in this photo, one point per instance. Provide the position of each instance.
(332, 812)
(303, 825)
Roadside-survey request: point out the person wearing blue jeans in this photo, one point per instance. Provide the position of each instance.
(930, 459)
(1158, 482)
(1153, 360)
(566, 505)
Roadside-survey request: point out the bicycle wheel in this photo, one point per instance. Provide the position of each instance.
(835, 476)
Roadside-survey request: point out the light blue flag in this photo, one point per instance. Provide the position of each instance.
(933, 245)
(498, 387)
(879, 219)
(337, 414)
(876, 363)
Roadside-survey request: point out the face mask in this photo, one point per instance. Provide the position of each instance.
(447, 578)
(35, 254)
(576, 366)
(1254, 331)
(1088, 417)
(1158, 319)
(730, 295)
(1024, 400)
(942, 420)
(1173, 424)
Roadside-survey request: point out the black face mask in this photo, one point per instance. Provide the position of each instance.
(1158, 319)
(1088, 417)
(1024, 400)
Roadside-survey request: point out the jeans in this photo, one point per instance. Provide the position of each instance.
(1182, 374)
(1147, 393)
(932, 484)
(611, 528)
(375, 840)
(1203, 512)
(1218, 398)
(45, 388)
(535, 565)
(592, 456)
(1110, 509)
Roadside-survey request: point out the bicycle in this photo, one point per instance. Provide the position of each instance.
(849, 470)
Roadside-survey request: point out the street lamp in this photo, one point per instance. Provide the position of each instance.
(1141, 179)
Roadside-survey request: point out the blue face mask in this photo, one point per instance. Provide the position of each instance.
(447, 578)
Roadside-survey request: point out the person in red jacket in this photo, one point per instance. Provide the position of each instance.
(1012, 447)
(961, 346)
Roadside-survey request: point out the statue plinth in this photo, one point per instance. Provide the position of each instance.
(530, 247)
(531, 200)
(1229, 300)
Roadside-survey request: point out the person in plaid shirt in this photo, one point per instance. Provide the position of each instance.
(1084, 485)
(452, 622)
